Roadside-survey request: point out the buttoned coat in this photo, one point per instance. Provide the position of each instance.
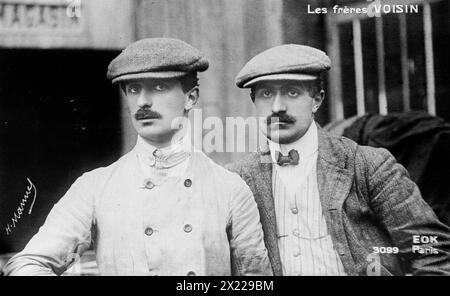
(205, 222)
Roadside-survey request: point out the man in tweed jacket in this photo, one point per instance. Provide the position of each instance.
(329, 206)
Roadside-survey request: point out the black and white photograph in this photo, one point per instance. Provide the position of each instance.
(223, 138)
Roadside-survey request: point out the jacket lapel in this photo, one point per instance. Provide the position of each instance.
(335, 174)
(264, 199)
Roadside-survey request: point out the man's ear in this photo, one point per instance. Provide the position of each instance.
(191, 98)
(317, 100)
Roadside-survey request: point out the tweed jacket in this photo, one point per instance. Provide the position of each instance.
(368, 201)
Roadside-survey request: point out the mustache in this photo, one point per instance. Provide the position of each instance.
(146, 114)
(280, 117)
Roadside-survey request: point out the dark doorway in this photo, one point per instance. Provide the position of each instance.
(59, 117)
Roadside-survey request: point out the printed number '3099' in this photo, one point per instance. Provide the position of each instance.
(385, 250)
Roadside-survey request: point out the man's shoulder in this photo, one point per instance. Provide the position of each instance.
(336, 142)
(245, 164)
(105, 171)
(220, 174)
(341, 145)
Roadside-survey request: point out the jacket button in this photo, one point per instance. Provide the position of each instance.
(148, 231)
(294, 211)
(149, 184)
(191, 273)
(187, 182)
(187, 228)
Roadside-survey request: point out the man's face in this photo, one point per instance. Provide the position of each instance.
(155, 105)
(287, 107)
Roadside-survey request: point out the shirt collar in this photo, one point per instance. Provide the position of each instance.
(150, 154)
(305, 146)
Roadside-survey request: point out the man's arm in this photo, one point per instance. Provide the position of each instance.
(248, 253)
(65, 235)
(398, 204)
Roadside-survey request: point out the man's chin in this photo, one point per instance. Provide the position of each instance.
(155, 134)
(149, 131)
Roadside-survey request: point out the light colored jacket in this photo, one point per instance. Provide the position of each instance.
(204, 223)
(368, 201)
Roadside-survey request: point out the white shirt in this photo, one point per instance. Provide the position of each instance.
(305, 246)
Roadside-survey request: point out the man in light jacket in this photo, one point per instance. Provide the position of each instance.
(154, 211)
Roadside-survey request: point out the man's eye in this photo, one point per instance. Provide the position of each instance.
(160, 87)
(293, 93)
(134, 89)
(266, 93)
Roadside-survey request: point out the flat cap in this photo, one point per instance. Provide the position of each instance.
(156, 58)
(284, 62)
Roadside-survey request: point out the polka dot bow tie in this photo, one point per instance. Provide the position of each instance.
(290, 159)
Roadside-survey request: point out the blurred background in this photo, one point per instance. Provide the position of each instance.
(60, 116)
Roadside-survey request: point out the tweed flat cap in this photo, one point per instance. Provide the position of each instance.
(156, 58)
(284, 62)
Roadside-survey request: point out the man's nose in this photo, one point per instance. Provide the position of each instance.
(278, 104)
(144, 99)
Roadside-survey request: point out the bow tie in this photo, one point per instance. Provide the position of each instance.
(290, 159)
